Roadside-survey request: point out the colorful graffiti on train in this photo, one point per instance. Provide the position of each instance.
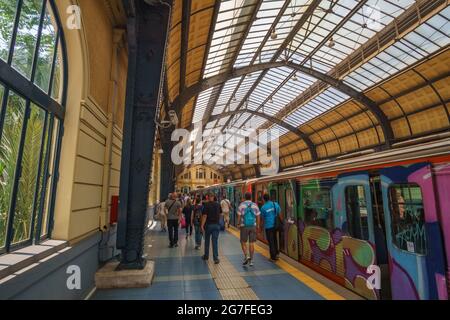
(396, 218)
(415, 251)
(343, 256)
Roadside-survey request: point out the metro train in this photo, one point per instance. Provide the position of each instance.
(377, 224)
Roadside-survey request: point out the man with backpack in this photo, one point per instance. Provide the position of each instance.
(270, 212)
(248, 220)
(173, 207)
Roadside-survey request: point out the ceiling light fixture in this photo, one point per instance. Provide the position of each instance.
(332, 43)
(273, 35)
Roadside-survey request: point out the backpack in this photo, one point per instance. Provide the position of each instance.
(249, 216)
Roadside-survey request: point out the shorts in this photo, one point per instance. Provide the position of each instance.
(248, 234)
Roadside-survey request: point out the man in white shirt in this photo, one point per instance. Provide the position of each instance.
(162, 215)
(225, 204)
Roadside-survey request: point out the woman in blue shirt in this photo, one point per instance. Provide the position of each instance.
(269, 211)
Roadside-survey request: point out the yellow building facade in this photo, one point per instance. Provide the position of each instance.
(197, 177)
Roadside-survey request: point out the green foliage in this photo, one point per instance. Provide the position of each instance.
(23, 56)
(26, 39)
(9, 148)
(28, 181)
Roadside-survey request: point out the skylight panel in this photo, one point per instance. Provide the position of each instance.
(201, 104)
(420, 42)
(265, 18)
(228, 27)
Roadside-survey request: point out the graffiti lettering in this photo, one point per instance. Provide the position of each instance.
(374, 281)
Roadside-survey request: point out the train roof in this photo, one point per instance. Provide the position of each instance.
(400, 154)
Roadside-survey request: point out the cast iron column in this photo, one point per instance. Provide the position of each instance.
(147, 32)
(167, 182)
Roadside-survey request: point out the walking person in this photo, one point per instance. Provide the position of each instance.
(196, 221)
(187, 212)
(210, 227)
(270, 212)
(162, 215)
(173, 207)
(248, 220)
(225, 205)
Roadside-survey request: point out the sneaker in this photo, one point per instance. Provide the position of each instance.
(205, 258)
(251, 263)
(171, 246)
(217, 261)
(197, 247)
(175, 245)
(246, 261)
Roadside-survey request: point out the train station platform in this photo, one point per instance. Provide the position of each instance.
(181, 274)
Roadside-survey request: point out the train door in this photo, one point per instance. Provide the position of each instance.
(442, 185)
(413, 233)
(230, 195)
(282, 233)
(355, 216)
(259, 190)
(291, 220)
(237, 201)
(274, 196)
(380, 237)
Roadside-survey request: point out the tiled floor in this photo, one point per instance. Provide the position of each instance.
(180, 273)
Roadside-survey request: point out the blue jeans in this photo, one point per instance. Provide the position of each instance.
(198, 235)
(212, 230)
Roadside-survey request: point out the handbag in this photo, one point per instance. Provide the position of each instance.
(183, 222)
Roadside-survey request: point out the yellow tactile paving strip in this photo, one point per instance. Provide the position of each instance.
(229, 282)
(315, 285)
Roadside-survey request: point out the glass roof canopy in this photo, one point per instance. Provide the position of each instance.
(250, 32)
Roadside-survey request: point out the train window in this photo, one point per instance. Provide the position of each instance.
(357, 214)
(289, 204)
(317, 207)
(408, 218)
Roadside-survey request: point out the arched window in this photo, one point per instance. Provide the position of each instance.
(32, 99)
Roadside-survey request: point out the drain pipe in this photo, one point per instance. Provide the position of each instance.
(112, 110)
